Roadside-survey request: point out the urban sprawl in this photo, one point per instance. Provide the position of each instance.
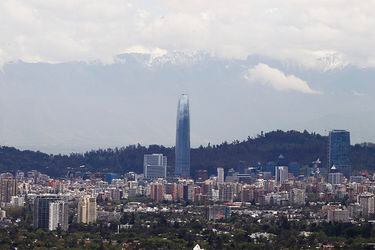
(326, 192)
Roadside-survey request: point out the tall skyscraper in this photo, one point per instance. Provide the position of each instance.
(87, 209)
(155, 166)
(182, 150)
(339, 151)
(58, 215)
(42, 210)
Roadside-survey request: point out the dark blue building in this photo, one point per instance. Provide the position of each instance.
(109, 177)
(339, 151)
(182, 150)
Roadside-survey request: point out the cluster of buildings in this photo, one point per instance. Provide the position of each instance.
(49, 199)
(269, 185)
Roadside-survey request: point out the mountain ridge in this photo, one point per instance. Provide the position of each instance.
(301, 147)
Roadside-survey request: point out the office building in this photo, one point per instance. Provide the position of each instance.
(154, 166)
(87, 210)
(281, 174)
(42, 211)
(58, 215)
(339, 151)
(182, 150)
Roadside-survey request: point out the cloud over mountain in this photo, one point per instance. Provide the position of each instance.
(264, 74)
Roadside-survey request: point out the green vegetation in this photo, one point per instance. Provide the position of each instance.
(295, 146)
(168, 231)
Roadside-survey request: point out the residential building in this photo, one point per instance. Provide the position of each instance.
(87, 211)
(58, 215)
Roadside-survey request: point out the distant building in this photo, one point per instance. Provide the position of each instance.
(281, 174)
(87, 211)
(188, 192)
(218, 212)
(298, 196)
(339, 151)
(109, 177)
(8, 188)
(247, 193)
(335, 177)
(42, 211)
(3, 214)
(367, 202)
(157, 191)
(17, 201)
(201, 174)
(355, 210)
(154, 166)
(338, 215)
(226, 192)
(220, 175)
(58, 215)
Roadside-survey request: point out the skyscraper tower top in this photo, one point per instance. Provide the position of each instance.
(182, 150)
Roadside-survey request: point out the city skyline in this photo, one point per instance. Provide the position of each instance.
(201, 125)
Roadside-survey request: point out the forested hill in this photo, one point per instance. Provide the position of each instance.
(295, 146)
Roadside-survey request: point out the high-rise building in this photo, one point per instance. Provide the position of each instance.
(339, 151)
(226, 192)
(155, 166)
(220, 175)
(87, 209)
(298, 196)
(182, 150)
(8, 188)
(335, 177)
(367, 202)
(157, 191)
(58, 215)
(42, 210)
(281, 174)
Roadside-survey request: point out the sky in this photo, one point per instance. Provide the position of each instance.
(77, 75)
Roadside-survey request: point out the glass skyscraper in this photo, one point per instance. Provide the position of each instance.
(339, 151)
(182, 150)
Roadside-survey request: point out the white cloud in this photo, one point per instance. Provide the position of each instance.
(66, 30)
(264, 74)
